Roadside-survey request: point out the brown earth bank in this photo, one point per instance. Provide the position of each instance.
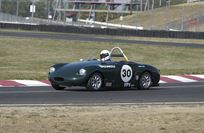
(103, 119)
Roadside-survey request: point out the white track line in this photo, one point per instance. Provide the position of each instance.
(162, 82)
(199, 76)
(31, 83)
(181, 79)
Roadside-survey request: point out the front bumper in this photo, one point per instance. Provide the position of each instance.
(64, 81)
(156, 79)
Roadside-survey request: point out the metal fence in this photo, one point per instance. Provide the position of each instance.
(8, 18)
(186, 23)
(12, 19)
(4, 17)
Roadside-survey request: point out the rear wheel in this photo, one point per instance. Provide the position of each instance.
(57, 87)
(95, 82)
(144, 81)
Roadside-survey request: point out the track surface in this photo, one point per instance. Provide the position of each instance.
(93, 38)
(185, 92)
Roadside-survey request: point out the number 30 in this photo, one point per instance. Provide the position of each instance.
(126, 73)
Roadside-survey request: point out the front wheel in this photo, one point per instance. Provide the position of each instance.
(95, 82)
(57, 87)
(144, 81)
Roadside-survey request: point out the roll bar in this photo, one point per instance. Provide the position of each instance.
(118, 55)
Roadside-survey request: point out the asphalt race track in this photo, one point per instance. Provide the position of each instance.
(93, 38)
(182, 92)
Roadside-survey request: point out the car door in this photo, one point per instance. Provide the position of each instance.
(124, 74)
(108, 69)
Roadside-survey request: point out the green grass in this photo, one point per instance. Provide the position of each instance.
(27, 58)
(157, 39)
(162, 16)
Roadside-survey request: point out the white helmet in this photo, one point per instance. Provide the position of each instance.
(105, 55)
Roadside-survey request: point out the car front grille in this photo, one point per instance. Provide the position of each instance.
(59, 79)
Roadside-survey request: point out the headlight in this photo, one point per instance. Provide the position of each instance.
(52, 69)
(82, 72)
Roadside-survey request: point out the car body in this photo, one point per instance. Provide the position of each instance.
(95, 74)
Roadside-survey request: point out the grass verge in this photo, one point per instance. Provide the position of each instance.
(27, 58)
(102, 119)
(160, 17)
(157, 39)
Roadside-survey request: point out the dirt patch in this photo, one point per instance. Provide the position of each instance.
(102, 119)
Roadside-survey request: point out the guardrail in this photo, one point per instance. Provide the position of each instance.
(106, 31)
(104, 24)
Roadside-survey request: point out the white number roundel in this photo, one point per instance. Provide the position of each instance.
(126, 73)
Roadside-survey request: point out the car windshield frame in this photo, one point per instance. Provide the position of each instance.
(122, 54)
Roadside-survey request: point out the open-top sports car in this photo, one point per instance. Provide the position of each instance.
(97, 74)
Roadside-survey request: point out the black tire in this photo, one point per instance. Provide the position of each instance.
(144, 81)
(95, 82)
(57, 87)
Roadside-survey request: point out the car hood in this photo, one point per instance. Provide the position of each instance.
(72, 68)
(153, 68)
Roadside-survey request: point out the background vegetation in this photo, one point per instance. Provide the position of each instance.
(10, 6)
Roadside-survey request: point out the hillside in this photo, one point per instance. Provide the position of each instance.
(182, 16)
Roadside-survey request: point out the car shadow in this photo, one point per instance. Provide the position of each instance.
(80, 89)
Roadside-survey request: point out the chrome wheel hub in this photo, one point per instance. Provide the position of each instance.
(96, 82)
(146, 81)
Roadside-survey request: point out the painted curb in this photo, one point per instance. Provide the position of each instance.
(164, 79)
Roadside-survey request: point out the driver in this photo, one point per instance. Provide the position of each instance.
(105, 55)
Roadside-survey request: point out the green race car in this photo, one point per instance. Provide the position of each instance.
(104, 73)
